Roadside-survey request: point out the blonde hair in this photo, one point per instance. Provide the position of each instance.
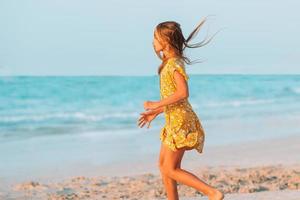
(171, 32)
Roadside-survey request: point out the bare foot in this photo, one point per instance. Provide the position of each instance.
(216, 195)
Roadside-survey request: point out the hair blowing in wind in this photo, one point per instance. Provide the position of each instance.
(171, 32)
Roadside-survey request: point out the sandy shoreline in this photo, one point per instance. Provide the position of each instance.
(276, 151)
(264, 169)
(267, 195)
(149, 186)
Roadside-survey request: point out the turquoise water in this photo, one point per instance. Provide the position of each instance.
(41, 106)
(93, 120)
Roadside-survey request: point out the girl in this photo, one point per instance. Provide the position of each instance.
(183, 130)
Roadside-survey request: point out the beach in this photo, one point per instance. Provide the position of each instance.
(76, 76)
(267, 169)
(69, 140)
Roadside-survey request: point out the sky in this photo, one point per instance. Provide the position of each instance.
(96, 37)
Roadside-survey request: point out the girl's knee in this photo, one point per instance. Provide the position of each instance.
(168, 170)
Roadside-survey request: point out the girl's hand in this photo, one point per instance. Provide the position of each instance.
(150, 105)
(147, 116)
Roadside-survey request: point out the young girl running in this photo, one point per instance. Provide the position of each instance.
(183, 130)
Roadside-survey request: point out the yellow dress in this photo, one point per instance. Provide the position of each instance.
(182, 127)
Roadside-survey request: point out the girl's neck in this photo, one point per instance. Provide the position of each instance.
(168, 55)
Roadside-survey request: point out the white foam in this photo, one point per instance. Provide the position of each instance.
(237, 103)
(69, 116)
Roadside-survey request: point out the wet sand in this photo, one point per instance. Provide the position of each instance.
(267, 169)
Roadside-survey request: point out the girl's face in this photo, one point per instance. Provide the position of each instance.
(158, 43)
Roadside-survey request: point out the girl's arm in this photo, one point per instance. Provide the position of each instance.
(155, 111)
(159, 110)
(181, 92)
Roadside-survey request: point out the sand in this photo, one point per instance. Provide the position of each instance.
(267, 169)
(267, 195)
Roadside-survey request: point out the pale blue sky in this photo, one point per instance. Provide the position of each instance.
(94, 37)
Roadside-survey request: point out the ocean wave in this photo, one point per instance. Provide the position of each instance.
(68, 116)
(296, 90)
(84, 132)
(237, 103)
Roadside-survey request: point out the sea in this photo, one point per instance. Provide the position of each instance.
(54, 121)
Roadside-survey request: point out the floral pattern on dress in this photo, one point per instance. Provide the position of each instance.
(183, 127)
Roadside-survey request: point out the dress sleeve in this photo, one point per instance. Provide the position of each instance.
(179, 66)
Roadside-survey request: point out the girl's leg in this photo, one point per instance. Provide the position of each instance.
(170, 168)
(169, 183)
